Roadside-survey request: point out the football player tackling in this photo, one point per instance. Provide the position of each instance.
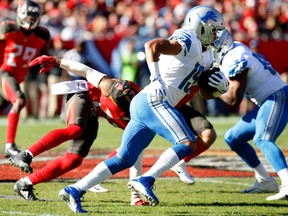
(175, 65)
(101, 97)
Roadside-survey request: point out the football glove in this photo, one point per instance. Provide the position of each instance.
(219, 82)
(47, 62)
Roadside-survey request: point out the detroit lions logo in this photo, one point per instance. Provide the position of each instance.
(210, 15)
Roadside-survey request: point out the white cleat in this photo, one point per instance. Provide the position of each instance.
(98, 189)
(263, 186)
(281, 195)
(181, 171)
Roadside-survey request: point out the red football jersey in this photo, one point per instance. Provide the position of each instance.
(188, 97)
(20, 48)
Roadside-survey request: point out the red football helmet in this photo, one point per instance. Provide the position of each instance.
(28, 15)
(120, 95)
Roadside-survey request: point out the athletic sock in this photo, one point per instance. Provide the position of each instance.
(260, 172)
(100, 173)
(12, 124)
(166, 160)
(136, 169)
(200, 147)
(54, 138)
(27, 180)
(56, 168)
(283, 175)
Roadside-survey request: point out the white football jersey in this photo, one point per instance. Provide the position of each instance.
(180, 72)
(262, 79)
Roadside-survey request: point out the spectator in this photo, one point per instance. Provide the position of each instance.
(130, 63)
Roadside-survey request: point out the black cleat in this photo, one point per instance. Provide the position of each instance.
(24, 190)
(10, 149)
(22, 160)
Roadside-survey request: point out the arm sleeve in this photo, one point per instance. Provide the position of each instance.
(93, 76)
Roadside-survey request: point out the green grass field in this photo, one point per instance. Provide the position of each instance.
(209, 196)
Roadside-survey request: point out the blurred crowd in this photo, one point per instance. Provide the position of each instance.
(247, 19)
(75, 25)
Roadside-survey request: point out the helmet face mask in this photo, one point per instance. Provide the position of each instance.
(223, 43)
(205, 21)
(28, 15)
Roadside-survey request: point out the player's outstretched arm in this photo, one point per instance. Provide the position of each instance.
(47, 62)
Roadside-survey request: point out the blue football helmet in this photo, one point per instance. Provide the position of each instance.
(223, 43)
(205, 21)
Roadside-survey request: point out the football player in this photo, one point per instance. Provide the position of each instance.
(175, 65)
(23, 40)
(248, 72)
(110, 105)
(85, 102)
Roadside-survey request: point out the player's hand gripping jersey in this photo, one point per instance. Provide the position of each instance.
(181, 72)
(262, 79)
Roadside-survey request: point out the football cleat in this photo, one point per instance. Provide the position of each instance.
(22, 160)
(10, 149)
(136, 201)
(181, 171)
(24, 190)
(72, 197)
(98, 189)
(144, 186)
(281, 195)
(263, 186)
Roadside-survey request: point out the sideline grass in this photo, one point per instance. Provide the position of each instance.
(109, 137)
(209, 196)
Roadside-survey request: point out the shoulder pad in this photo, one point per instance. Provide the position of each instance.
(42, 33)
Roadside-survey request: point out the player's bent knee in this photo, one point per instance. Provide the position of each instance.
(208, 137)
(72, 161)
(229, 139)
(18, 105)
(74, 131)
(262, 143)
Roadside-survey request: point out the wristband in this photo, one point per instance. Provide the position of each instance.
(94, 77)
(154, 70)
